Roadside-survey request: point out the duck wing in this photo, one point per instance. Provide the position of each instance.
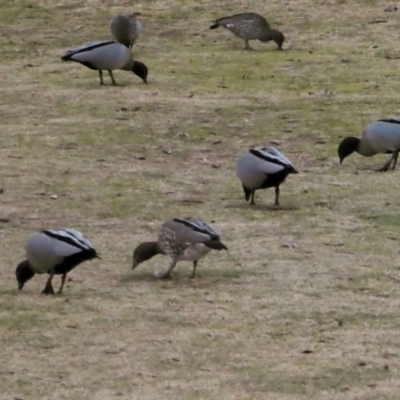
(86, 48)
(270, 160)
(240, 18)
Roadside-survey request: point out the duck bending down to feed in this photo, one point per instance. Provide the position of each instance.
(382, 136)
(250, 26)
(106, 55)
(126, 28)
(182, 239)
(262, 168)
(54, 252)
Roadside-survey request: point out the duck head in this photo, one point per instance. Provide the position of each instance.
(140, 70)
(347, 146)
(276, 36)
(144, 252)
(23, 273)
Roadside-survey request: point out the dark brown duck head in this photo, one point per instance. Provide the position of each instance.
(23, 273)
(276, 36)
(140, 70)
(144, 252)
(347, 146)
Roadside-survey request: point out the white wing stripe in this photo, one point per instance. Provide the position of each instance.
(271, 156)
(197, 225)
(89, 46)
(71, 237)
(391, 121)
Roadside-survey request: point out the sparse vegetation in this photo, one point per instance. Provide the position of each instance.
(305, 303)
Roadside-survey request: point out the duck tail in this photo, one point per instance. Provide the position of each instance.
(66, 57)
(214, 26)
(215, 245)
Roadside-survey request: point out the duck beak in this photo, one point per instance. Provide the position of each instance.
(20, 285)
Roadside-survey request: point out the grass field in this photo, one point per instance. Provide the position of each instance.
(304, 305)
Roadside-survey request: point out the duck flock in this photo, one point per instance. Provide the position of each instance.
(58, 251)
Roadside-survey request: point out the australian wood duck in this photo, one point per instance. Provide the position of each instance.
(262, 168)
(250, 26)
(54, 252)
(382, 136)
(106, 55)
(182, 239)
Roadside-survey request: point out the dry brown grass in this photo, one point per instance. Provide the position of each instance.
(241, 329)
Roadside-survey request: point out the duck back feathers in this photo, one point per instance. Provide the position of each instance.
(85, 47)
(184, 231)
(201, 232)
(382, 136)
(242, 24)
(272, 160)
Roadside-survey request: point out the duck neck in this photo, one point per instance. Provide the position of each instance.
(364, 148)
(128, 66)
(145, 251)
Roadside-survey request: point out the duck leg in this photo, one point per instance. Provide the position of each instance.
(395, 155)
(101, 77)
(386, 167)
(112, 77)
(48, 289)
(167, 274)
(252, 198)
(277, 196)
(62, 283)
(194, 269)
(247, 46)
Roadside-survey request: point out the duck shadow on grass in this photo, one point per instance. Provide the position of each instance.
(371, 169)
(262, 207)
(10, 292)
(207, 276)
(139, 276)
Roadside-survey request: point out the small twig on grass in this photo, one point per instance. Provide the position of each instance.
(388, 57)
(392, 278)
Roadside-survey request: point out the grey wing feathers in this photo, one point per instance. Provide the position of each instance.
(278, 154)
(271, 155)
(198, 225)
(86, 47)
(233, 19)
(71, 237)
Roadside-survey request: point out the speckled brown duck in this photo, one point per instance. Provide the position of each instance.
(182, 239)
(250, 26)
